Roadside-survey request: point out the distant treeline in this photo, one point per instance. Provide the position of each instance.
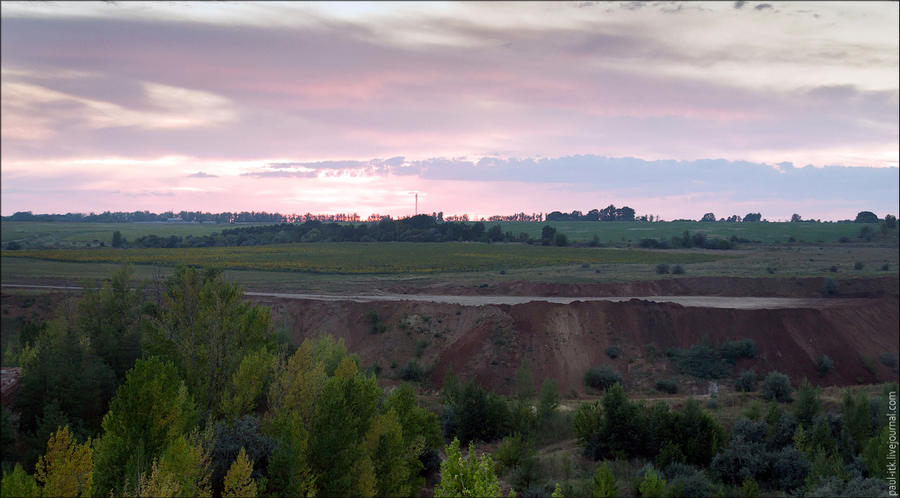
(420, 228)
(609, 213)
(147, 216)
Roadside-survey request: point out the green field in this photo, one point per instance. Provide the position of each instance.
(371, 258)
(61, 234)
(618, 232)
(80, 234)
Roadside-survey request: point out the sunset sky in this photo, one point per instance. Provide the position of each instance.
(674, 109)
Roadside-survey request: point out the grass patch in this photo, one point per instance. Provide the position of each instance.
(369, 258)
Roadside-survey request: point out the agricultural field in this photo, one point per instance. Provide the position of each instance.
(371, 258)
(64, 234)
(622, 232)
(68, 235)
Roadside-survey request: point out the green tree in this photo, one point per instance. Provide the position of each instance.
(548, 400)
(66, 468)
(238, 482)
(150, 410)
(875, 454)
(807, 404)
(250, 383)
(205, 329)
(19, 483)
(111, 316)
(653, 486)
(750, 489)
(117, 239)
(776, 386)
(466, 476)
(604, 485)
(856, 411)
(67, 374)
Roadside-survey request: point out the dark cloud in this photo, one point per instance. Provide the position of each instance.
(739, 4)
(763, 6)
(201, 174)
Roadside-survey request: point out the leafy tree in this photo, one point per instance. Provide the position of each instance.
(466, 476)
(866, 217)
(238, 482)
(548, 400)
(776, 386)
(65, 373)
(752, 217)
(621, 432)
(890, 221)
(229, 438)
(204, 329)
(746, 381)
(795, 218)
(857, 417)
(548, 234)
(653, 486)
(117, 239)
(808, 404)
(700, 434)
(66, 468)
(250, 383)
(875, 453)
(150, 410)
(19, 483)
(601, 378)
(708, 217)
(112, 317)
(604, 484)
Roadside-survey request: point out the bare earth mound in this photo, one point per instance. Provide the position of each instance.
(561, 341)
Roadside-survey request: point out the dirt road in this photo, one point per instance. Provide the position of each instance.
(723, 302)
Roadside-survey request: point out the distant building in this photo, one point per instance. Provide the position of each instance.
(176, 219)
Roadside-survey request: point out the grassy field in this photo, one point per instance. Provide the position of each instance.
(91, 234)
(80, 234)
(370, 258)
(622, 231)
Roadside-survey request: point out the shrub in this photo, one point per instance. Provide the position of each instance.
(14, 246)
(889, 360)
(885, 267)
(677, 270)
(830, 287)
(824, 364)
(667, 386)
(700, 361)
(833, 269)
(789, 469)
(412, 372)
(613, 352)
(662, 268)
(734, 350)
(652, 485)
(511, 451)
(777, 386)
(604, 482)
(561, 240)
(858, 265)
(601, 378)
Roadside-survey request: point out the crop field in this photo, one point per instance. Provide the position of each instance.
(370, 258)
(617, 232)
(80, 234)
(62, 234)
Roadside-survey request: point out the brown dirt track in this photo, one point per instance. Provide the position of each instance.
(561, 341)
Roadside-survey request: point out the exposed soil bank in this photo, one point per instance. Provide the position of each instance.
(561, 341)
(685, 286)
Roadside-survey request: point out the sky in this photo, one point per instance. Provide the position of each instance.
(675, 109)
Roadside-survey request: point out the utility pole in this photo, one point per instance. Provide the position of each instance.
(417, 203)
